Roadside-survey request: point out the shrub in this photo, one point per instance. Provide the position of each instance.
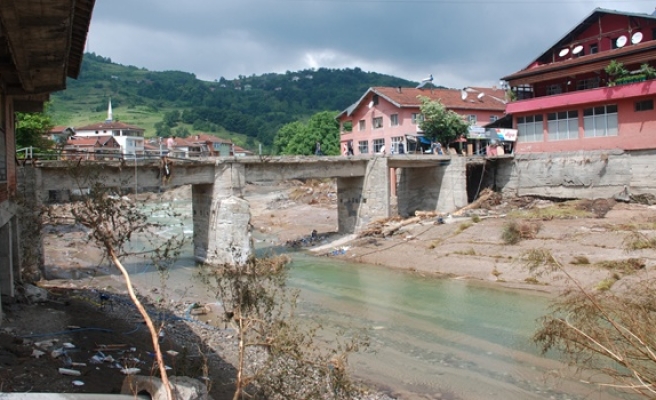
(513, 231)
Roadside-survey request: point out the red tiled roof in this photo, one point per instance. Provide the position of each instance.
(239, 149)
(81, 142)
(204, 137)
(86, 141)
(450, 98)
(108, 126)
(59, 129)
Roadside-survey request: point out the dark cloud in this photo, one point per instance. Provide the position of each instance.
(460, 42)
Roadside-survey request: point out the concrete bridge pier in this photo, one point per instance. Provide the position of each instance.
(363, 199)
(221, 218)
(439, 186)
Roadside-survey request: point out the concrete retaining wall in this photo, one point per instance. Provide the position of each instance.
(586, 175)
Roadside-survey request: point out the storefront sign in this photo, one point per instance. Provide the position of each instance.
(507, 135)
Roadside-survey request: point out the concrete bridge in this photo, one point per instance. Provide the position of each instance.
(221, 217)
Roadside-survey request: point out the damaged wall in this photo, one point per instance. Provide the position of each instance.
(586, 175)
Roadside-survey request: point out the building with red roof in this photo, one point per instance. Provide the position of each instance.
(129, 137)
(389, 117)
(568, 99)
(100, 147)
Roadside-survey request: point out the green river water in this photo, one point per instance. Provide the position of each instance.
(429, 337)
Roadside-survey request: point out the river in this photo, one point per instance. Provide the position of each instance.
(430, 338)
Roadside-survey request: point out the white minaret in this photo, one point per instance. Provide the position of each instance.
(109, 111)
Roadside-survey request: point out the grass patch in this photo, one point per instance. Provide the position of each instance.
(629, 265)
(469, 252)
(580, 260)
(463, 226)
(606, 284)
(532, 280)
(515, 231)
(564, 210)
(476, 219)
(639, 241)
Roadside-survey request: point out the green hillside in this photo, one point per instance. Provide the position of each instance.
(248, 110)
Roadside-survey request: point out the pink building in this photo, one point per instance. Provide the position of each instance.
(566, 101)
(387, 118)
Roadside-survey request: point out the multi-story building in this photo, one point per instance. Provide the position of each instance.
(387, 118)
(42, 43)
(574, 97)
(129, 137)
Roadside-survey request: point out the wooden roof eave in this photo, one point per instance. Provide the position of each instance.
(582, 65)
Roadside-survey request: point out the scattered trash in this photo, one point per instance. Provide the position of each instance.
(68, 345)
(77, 383)
(45, 343)
(340, 251)
(78, 364)
(71, 372)
(172, 353)
(56, 353)
(130, 371)
(37, 353)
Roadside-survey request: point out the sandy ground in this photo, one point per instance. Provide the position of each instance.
(459, 248)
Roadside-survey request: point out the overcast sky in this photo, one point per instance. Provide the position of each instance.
(461, 42)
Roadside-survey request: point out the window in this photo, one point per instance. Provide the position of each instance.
(530, 128)
(379, 145)
(363, 147)
(594, 48)
(493, 118)
(644, 105)
(554, 89)
(374, 100)
(397, 145)
(471, 118)
(394, 119)
(523, 92)
(377, 122)
(600, 121)
(362, 125)
(563, 125)
(417, 118)
(590, 83)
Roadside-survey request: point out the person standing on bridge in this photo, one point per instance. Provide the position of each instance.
(170, 144)
(317, 149)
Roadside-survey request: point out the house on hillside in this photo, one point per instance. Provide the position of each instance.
(238, 151)
(568, 99)
(60, 134)
(216, 146)
(200, 145)
(31, 70)
(387, 118)
(129, 137)
(102, 147)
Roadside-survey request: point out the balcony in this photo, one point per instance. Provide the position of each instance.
(584, 97)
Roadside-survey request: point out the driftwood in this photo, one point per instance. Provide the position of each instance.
(485, 197)
(391, 229)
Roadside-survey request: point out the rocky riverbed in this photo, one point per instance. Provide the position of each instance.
(86, 293)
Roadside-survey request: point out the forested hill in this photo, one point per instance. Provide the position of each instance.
(248, 110)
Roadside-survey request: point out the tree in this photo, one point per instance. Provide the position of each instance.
(285, 134)
(31, 129)
(278, 355)
(439, 124)
(113, 222)
(609, 334)
(299, 138)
